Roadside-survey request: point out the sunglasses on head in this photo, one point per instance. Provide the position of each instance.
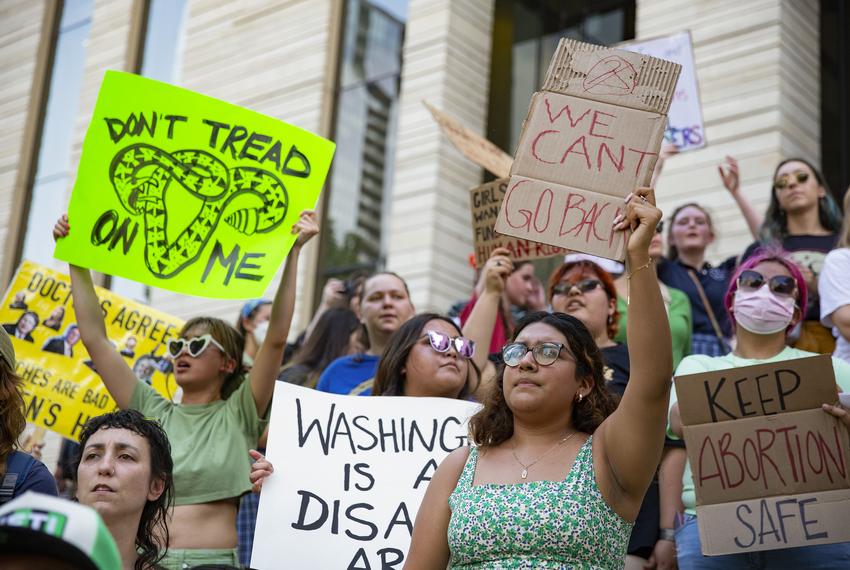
(583, 286)
(441, 342)
(750, 280)
(784, 181)
(194, 346)
(544, 353)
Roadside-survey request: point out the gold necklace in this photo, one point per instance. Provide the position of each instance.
(525, 468)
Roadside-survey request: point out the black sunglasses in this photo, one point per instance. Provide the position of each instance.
(784, 181)
(784, 285)
(583, 286)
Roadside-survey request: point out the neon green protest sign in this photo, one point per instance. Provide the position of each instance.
(188, 193)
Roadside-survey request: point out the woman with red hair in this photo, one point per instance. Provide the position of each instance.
(766, 299)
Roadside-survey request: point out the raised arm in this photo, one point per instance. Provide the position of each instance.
(732, 183)
(633, 436)
(429, 546)
(267, 361)
(111, 366)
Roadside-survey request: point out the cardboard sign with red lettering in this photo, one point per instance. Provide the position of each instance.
(770, 467)
(484, 202)
(591, 137)
(551, 213)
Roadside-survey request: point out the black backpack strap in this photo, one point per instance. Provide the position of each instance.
(18, 466)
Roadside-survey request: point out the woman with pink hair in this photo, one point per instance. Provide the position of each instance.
(766, 298)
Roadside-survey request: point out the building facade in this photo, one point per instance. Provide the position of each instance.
(357, 71)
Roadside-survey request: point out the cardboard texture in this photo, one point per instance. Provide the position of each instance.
(485, 202)
(795, 452)
(685, 127)
(589, 145)
(613, 76)
(774, 523)
(764, 389)
(770, 467)
(594, 130)
(473, 146)
(562, 216)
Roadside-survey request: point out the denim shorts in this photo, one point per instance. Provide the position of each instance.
(817, 557)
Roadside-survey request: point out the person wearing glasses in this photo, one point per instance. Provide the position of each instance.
(427, 356)
(767, 297)
(804, 219)
(559, 471)
(220, 412)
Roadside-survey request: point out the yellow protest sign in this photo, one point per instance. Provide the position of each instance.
(188, 193)
(60, 386)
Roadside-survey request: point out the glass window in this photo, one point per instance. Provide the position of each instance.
(525, 35)
(364, 130)
(52, 175)
(161, 51)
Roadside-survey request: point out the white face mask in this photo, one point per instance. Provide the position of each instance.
(761, 311)
(260, 331)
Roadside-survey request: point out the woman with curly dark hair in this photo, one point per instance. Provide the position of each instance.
(558, 474)
(125, 473)
(19, 471)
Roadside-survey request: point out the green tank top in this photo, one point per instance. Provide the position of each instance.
(539, 524)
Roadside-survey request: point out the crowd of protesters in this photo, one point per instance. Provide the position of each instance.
(578, 457)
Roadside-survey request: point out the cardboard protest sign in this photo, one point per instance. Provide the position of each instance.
(60, 386)
(188, 193)
(685, 128)
(484, 202)
(350, 473)
(473, 146)
(591, 137)
(761, 451)
(775, 522)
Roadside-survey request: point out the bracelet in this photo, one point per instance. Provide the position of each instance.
(667, 534)
(644, 266)
(629, 279)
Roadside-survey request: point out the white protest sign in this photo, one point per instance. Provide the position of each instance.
(685, 128)
(350, 473)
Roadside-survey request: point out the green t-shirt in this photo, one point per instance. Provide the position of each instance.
(209, 442)
(698, 363)
(678, 315)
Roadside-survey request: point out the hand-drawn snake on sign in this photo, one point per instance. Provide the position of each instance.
(141, 174)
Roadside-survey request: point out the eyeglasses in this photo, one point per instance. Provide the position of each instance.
(194, 346)
(784, 181)
(440, 342)
(660, 227)
(544, 353)
(779, 284)
(583, 286)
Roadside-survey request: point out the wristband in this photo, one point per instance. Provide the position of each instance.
(667, 534)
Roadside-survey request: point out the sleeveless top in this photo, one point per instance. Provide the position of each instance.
(539, 524)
